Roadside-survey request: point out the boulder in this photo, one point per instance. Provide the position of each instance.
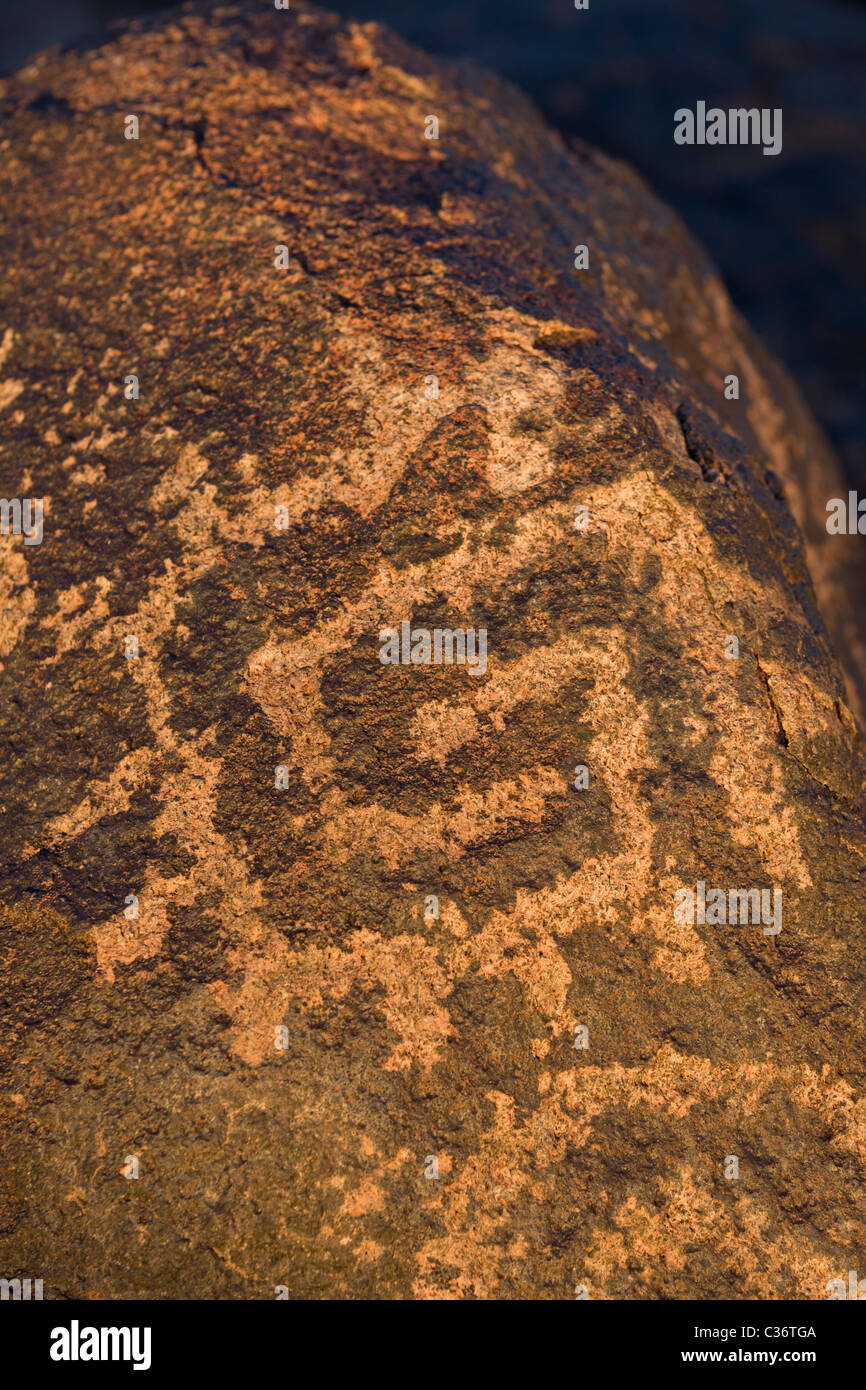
(327, 975)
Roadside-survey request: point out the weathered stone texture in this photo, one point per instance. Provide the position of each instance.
(259, 647)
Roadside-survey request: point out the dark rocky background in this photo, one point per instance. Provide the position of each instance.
(789, 233)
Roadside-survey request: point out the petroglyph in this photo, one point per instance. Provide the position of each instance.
(427, 417)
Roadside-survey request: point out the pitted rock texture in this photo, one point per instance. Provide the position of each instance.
(261, 907)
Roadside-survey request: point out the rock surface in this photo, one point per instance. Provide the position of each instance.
(410, 1036)
(787, 231)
